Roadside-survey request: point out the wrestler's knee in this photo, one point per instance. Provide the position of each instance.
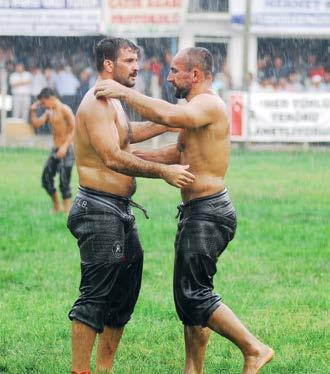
(195, 309)
(91, 314)
(48, 183)
(193, 290)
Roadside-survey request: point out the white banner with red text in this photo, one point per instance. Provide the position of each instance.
(143, 18)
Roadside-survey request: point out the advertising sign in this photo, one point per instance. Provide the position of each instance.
(144, 18)
(50, 17)
(288, 14)
(281, 117)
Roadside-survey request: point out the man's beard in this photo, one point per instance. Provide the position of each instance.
(125, 81)
(181, 93)
(128, 83)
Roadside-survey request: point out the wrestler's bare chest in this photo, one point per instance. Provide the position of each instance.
(57, 121)
(122, 124)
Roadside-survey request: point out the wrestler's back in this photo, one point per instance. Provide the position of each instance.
(206, 150)
(92, 171)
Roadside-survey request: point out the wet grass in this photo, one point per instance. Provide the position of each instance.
(274, 275)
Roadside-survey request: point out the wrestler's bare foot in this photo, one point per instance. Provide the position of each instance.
(254, 361)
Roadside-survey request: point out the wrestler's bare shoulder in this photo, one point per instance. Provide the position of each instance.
(91, 106)
(66, 109)
(211, 100)
(211, 107)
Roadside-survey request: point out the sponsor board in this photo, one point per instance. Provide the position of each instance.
(50, 17)
(143, 18)
(281, 117)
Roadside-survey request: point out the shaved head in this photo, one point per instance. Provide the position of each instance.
(198, 57)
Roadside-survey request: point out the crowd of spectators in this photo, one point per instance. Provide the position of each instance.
(298, 75)
(72, 79)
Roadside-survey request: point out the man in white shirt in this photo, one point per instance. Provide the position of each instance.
(38, 82)
(20, 83)
(66, 85)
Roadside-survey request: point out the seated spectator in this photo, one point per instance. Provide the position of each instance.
(293, 82)
(278, 70)
(266, 85)
(282, 85)
(252, 83)
(327, 78)
(315, 67)
(316, 84)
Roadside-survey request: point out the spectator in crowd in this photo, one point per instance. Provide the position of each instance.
(300, 67)
(38, 82)
(143, 79)
(50, 76)
(222, 81)
(66, 85)
(266, 84)
(155, 78)
(264, 63)
(315, 67)
(92, 76)
(20, 84)
(84, 77)
(327, 78)
(282, 85)
(217, 85)
(293, 84)
(316, 84)
(278, 70)
(167, 89)
(253, 85)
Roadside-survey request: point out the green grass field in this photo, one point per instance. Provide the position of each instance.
(274, 275)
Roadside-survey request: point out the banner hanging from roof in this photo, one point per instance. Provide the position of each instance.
(143, 18)
(301, 15)
(50, 17)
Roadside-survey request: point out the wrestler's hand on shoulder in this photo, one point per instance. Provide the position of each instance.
(178, 175)
(108, 88)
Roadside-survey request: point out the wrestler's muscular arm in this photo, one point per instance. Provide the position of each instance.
(200, 111)
(141, 131)
(167, 155)
(35, 120)
(103, 135)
